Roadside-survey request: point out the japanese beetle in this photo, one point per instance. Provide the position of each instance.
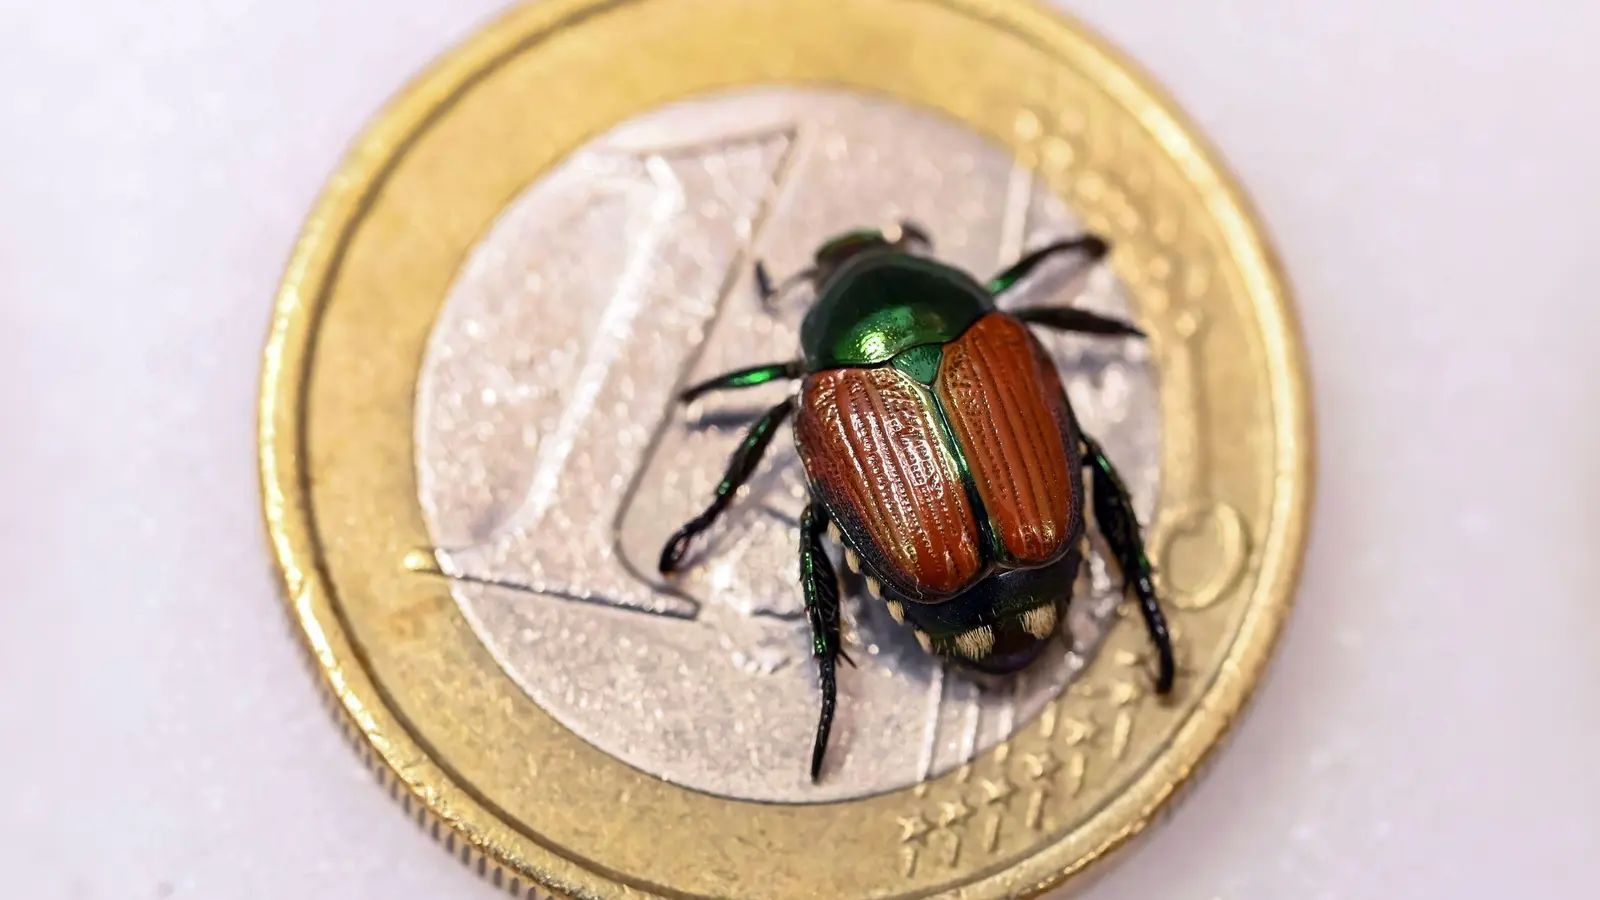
(941, 450)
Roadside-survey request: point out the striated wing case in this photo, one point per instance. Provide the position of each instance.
(1002, 397)
(874, 448)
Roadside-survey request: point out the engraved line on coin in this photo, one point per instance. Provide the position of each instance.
(1041, 809)
(1013, 236)
(425, 562)
(1019, 202)
(930, 731)
(619, 314)
(1189, 516)
(969, 732)
(770, 202)
(1015, 225)
(622, 310)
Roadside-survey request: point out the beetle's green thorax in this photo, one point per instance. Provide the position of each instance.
(920, 362)
(881, 303)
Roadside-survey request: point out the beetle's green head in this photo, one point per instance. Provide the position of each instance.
(841, 249)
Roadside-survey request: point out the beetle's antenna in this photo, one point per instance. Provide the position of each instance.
(911, 232)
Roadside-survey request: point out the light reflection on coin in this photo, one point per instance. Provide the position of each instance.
(553, 463)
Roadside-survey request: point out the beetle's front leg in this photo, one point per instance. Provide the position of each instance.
(821, 586)
(1091, 248)
(1113, 510)
(743, 378)
(1078, 321)
(768, 291)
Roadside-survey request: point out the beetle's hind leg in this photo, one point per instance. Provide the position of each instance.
(740, 466)
(821, 587)
(1113, 511)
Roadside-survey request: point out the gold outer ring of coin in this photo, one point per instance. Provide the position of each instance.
(536, 810)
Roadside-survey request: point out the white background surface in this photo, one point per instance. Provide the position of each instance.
(1429, 173)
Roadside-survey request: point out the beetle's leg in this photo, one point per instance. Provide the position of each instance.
(743, 378)
(1066, 318)
(1113, 510)
(1092, 248)
(1063, 318)
(740, 466)
(764, 288)
(768, 290)
(821, 587)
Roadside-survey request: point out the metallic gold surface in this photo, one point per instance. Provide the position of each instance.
(495, 776)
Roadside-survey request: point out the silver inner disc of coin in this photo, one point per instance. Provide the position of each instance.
(553, 461)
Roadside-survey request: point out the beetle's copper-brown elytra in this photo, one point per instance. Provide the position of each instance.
(1003, 400)
(872, 441)
(940, 449)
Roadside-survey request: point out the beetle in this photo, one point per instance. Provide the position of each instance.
(941, 451)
